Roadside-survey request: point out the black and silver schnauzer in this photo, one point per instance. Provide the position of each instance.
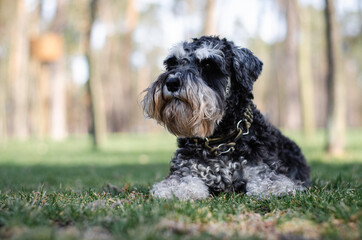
(225, 144)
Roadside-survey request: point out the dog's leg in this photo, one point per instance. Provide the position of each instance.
(184, 188)
(262, 181)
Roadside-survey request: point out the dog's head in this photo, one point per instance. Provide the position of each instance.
(190, 97)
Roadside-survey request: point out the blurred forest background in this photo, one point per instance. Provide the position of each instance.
(78, 67)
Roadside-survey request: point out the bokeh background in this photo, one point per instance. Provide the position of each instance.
(78, 67)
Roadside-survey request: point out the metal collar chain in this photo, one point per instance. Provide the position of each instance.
(227, 144)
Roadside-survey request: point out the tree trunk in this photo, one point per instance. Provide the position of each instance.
(4, 29)
(336, 109)
(3, 96)
(129, 87)
(95, 86)
(58, 128)
(18, 60)
(305, 74)
(43, 99)
(209, 18)
(291, 84)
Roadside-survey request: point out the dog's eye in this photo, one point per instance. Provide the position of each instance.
(171, 62)
(207, 64)
(185, 61)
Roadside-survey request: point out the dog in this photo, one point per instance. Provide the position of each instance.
(224, 143)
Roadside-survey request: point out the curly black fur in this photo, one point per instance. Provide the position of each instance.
(264, 144)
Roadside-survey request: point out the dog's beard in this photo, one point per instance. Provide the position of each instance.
(194, 112)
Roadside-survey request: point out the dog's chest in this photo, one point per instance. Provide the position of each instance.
(220, 173)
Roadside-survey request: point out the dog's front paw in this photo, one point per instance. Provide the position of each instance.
(184, 188)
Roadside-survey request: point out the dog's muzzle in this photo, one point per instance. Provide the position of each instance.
(184, 104)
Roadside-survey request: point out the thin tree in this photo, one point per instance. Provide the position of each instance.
(3, 115)
(209, 27)
(129, 85)
(18, 66)
(291, 78)
(58, 128)
(3, 74)
(305, 73)
(94, 85)
(336, 97)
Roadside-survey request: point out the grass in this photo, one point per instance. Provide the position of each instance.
(66, 190)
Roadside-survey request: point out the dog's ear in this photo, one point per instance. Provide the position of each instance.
(246, 66)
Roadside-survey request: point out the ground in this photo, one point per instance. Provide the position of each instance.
(66, 190)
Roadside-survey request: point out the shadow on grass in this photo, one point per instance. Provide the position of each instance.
(84, 176)
(336, 176)
(78, 177)
(327, 171)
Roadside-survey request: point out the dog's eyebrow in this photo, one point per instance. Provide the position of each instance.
(177, 51)
(208, 51)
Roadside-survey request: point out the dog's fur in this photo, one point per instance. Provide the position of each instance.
(206, 93)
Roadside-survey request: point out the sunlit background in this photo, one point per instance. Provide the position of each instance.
(59, 59)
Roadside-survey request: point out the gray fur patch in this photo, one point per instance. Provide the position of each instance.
(263, 182)
(184, 188)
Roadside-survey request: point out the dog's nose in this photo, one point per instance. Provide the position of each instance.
(173, 84)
